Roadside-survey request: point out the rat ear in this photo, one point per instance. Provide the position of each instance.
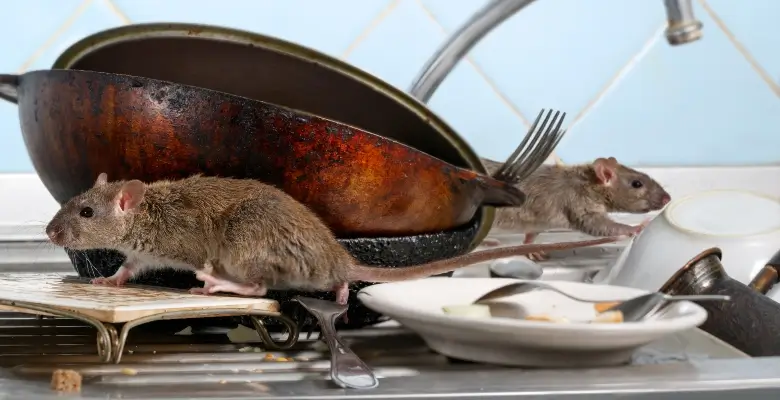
(605, 170)
(102, 179)
(131, 195)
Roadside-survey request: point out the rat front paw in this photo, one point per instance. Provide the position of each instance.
(490, 242)
(106, 282)
(202, 291)
(538, 256)
(639, 228)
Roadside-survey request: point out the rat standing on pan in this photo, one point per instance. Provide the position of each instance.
(579, 197)
(240, 236)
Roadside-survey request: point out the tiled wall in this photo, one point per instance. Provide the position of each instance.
(606, 62)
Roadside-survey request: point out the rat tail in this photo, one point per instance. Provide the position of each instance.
(378, 274)
(497, 193)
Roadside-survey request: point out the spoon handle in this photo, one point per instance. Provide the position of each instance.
(699, 297)
(346, 369)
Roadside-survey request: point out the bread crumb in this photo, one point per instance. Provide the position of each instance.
(269, 356)
(613, 317)
(284, 359)
(66, 381)
(546, 318)
(128, 371)
(601, 307)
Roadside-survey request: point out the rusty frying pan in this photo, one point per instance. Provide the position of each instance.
(77, 124)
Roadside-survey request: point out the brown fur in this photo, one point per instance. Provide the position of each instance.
(241, 231)
(578, 197)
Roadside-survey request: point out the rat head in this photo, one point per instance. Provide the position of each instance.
(98, 218)
(628, 190)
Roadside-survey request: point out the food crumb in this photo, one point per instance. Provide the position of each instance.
(246, 349)
(609, 317)
(546, 318)
(604, 306)
(258, 386)
(269, 356)
(284, 359)
(128, 371)
(66, 381)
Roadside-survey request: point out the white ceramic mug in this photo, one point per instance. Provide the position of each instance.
(744, 225)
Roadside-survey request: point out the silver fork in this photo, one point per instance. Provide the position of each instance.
(529, 156)
(346, 368)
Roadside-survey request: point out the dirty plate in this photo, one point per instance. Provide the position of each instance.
(512, 340)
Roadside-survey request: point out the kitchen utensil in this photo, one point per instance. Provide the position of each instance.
(273, 70)
(509, 341)
(525, 160)
(134, 127)
(515, 267)
(744, 224)
(638, 308)
(633, 310)
(346, 369)
(750, 322)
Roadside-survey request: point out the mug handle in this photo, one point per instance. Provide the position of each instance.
(9, 85)
(768, 277)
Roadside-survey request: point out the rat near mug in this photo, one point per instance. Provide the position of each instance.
(750, 321)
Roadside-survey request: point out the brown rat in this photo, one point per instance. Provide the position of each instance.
(240, 236)
(579, 197)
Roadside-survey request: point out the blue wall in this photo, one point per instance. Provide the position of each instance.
(606, 62)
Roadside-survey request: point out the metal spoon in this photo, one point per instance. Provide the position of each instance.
(633, 309)
(346, 369)
(638, 308)
(524, 287)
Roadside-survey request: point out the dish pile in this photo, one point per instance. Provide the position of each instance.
(153, 101)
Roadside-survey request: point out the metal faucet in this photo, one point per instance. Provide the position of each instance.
(682, 27)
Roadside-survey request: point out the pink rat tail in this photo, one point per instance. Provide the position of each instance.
(377, 274)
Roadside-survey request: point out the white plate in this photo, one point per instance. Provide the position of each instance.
(517, 342)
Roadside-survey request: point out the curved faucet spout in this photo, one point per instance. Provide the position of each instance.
(682, 28)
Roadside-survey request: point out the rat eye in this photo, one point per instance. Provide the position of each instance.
(636, 184)
(87, 212)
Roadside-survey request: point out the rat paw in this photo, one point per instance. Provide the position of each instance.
(639, 228)
(202, 291)
(538, 256)
(106, 282)
(490, 242)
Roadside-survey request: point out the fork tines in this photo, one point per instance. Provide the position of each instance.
(529, 156)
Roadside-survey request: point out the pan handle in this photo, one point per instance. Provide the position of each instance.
(768, 276)
(9, 85)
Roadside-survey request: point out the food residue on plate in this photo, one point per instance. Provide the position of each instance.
(604, 306)
(471, 310)
(483, 311)
(128, 371)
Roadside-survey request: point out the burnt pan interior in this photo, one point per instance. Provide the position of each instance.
(389, 252)
(269, 75)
